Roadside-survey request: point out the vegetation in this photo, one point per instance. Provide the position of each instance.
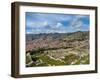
(58, 49)
(47, 58)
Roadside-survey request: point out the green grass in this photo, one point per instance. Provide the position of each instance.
(40, 55)
(48, 60)
(28, 58)
(70, 58)
(85, 59)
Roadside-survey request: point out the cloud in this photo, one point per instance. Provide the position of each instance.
(47, 28)
(48, 17)
(77, 23)
(36, 24)
(59, 25)
(55, 23)
(45, 23)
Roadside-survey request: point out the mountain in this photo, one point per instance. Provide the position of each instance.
(57, 40)
(54, 49)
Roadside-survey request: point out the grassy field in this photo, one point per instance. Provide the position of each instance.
(57, 57)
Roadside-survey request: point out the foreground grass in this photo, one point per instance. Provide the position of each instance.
(47, 57)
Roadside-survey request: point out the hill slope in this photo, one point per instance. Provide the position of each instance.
(56, 40)
(54, 49)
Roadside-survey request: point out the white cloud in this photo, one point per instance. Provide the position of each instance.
(77, 23)
(52, 17)
(36, 24)
(45, 23)
(29, 23)
(50, 23)
(59, 25)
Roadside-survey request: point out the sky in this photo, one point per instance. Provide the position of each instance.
(37, 23)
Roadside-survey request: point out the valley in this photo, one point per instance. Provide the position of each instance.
(56, 49)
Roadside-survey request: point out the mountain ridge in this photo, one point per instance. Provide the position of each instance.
(56, 40)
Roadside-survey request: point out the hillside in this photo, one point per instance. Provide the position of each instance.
(57, 49)
(55, 40)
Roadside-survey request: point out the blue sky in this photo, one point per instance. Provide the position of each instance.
(37, 23)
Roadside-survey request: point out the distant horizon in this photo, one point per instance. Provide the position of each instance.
(37, 23)
(58, 33)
